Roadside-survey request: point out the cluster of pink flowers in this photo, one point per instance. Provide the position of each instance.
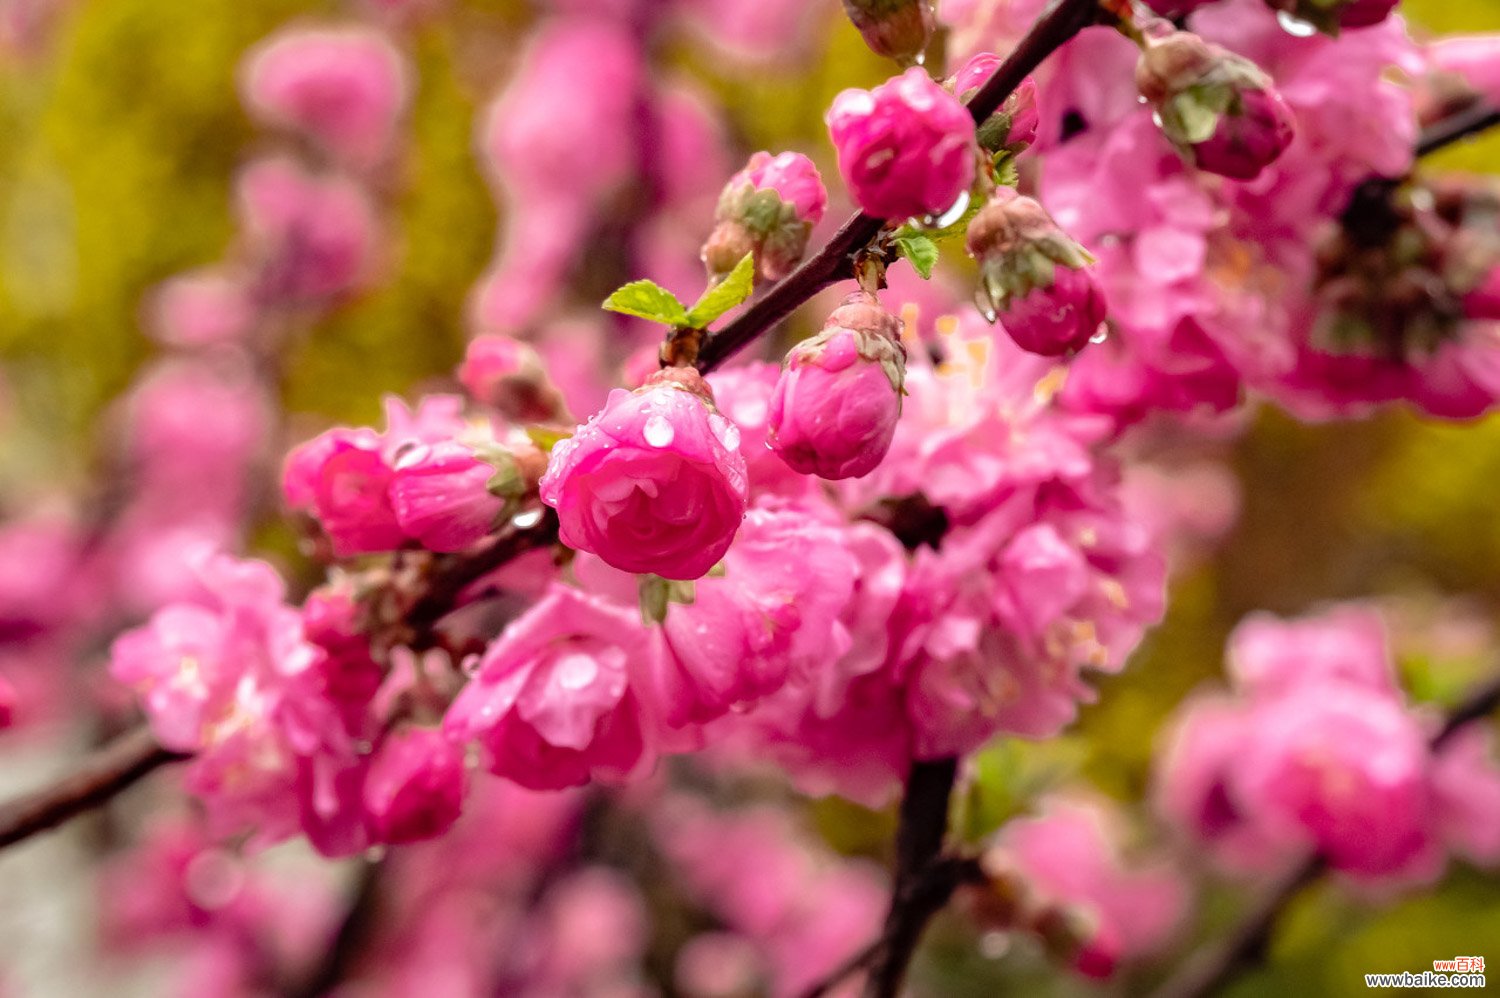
(1318, 751)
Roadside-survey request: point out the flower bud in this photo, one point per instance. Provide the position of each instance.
(415, 787)
(896, 29)
(1033, 275)
(654, 482)
(769, 208)
(905, 148)
(1218, 108)
(341, 478)
(1329, 16)
(441, 495)
(508, 376)
(1013, 127)
(836, 405)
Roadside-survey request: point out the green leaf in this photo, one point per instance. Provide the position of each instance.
(648, 300)
(725, 295)
(919, 248)
(547, 437)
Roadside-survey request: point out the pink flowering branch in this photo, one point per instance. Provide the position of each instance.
(98, 778)
(1208, 971)
(835, 261)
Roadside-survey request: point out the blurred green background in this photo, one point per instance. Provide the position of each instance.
(120, 141)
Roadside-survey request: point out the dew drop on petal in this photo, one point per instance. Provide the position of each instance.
(658, 431)
(1295, 26)
(727, 433)
(954, 213)
(574, 672)
(1100, 335)
(526, 518)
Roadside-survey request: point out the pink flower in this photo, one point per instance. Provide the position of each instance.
(342, 478)
(1060, 319)
(1014, 126)
(414, 790)
(345, 87)
(551, 700)
(772, 615)
(793, 177)
(743, 394)
(1474, 58)
(201, 307)
(311, 237)
(905, 148)
(507, 375)
(1268, 656)
(654, 482)
(837, 402)
(1069, 858)
(441, 498)
(1466, 789)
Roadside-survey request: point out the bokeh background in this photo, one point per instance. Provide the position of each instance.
(122, 129)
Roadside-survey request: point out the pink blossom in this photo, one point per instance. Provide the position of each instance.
(772, 615)
(202, 307)
(552, 699)
(905, 148)
(793, 177)
(743, 394)
(311, 237)
(440, 496)
(1069, 856)
(415, 787)
(1348, 644)
(343, 479)
(654, 482)
(346, 87)
(837, 401)
(506, 374)
(1466, 790)
(1474, 58)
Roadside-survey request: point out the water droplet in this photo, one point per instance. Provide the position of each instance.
(989, 313)
(920, 59)
(1156, 117)
(994, 945)
(954, 213)
(526, 518)
(1295, 26)
(1100, 335)
(574, 672)
(727, 432)
(658, 431)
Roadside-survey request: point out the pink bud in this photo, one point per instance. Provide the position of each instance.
(415, 787)
(1014, 125)
(837, 402)
(1215, 106)
(312, 237)
(654, 482)
(769, 208)
(342, 479)
(441, 496)
(905, 148)
(346, 88)
(1060, 319)
(200, 308)
(896, 29)
(507, 375)
(1034, 275)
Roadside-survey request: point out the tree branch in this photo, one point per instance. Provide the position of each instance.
(916, 895)
(1245, 947)
(354, 933)
(1470, 121)
(834, 261)
(99, 777)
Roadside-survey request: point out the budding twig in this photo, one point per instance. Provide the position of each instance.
(835, 260)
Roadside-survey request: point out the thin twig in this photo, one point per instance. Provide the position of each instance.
(834, 261)
(1463, 124)
(351, 940)
(99, 777)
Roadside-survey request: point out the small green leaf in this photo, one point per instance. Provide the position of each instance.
(648, 300)
(547, 437)
(725, 295)
(919, 248)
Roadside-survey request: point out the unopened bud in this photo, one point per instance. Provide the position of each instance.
(1218, 108)
(1034, 276)
(896, 29)
(508, 376)
(769, 208)
(838, 400)
(1013, 127)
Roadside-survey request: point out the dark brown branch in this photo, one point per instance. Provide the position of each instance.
(915, 895)
(1245, 947)
(835, 260)
(98, 778)
(1456, 127)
